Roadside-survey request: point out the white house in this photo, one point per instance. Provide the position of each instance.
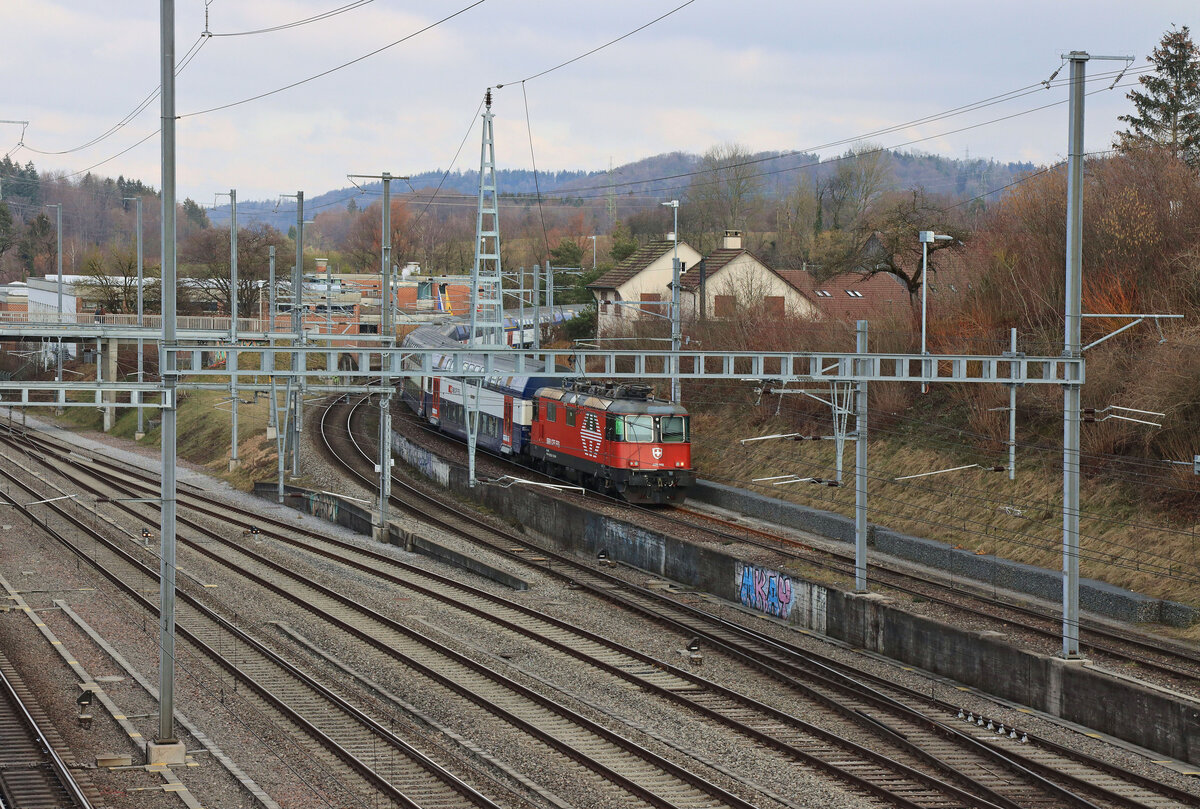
(639, 286)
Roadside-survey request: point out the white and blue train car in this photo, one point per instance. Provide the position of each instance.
(504, 402)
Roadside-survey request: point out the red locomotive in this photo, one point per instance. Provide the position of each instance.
(615, 438)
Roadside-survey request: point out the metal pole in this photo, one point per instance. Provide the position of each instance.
(166, 624)
(537, 306)
(550, 291)
(271, 290)
(385, 462)
(59, 365)
(860, 465)
(385, 416)
(273, 414)
(231, 364)
(140, 343)
(924, 300)
(1012, 415)
(298, 330)
(520, 309)
(1071, 348)
(675, 331)
(385, 270)
(676, 394)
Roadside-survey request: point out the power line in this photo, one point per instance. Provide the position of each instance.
(342, 66)
(137, 110)
(315, 18)
(601, 47)
(536, 185)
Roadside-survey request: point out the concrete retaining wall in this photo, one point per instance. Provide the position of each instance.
(352, 515)
(1094, 596)
(1070, 690)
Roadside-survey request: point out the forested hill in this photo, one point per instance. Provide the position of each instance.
(667, 175)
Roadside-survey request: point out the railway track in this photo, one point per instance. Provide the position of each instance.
(1041, 761)
(365, 757)
(905, 772)
(33, 769)
(612, 761)
(947, 756)
(1177, 663)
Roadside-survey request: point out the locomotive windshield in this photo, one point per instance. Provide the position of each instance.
(639, 429)
(673, 429)
(647, 429)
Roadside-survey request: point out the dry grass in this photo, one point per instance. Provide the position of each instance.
(1121, 542)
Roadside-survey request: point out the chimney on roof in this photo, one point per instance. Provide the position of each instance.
(671, 236)
(732, 240)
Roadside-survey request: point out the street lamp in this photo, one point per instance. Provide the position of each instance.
(675, 337)
(926, 237)
(593, 238)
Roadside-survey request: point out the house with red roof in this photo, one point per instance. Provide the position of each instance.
(732, 280)
(639, 288)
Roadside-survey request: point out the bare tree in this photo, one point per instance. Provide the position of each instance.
(726, 194)
(110, 279)
(885, 241)
(861, 176)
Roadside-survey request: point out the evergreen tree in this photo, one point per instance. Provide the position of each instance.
(1168, 111)
(567, 254)
(623, 244)
(194, 214)
(6, 229)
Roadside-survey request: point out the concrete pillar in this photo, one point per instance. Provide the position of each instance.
(108, 372)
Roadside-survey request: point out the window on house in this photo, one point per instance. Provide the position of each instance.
(774, 304)
(723, 305)
(651, 304)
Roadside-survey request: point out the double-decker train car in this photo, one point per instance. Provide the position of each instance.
(614, 438)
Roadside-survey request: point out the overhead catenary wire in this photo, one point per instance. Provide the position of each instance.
(325, 15)
(541, 213)
(336, 68)
(600, 47)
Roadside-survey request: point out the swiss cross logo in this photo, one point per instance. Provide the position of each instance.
(657, 453)
(590, 435)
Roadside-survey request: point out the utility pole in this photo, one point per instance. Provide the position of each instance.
(297, 399)
(231, 363)
(676, 337)
(273, 414)
(860, 463)
(166, 747)
(1072, 348)
(1072, 343)
(387, 331)
(141, 433)
(59, 373)
(537, 306)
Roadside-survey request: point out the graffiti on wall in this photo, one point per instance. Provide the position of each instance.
(322, 505)
(765, 590)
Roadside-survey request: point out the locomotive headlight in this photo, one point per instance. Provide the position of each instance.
(679, 463)
(633, 463)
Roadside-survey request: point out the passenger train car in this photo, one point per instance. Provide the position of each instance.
(614, 438)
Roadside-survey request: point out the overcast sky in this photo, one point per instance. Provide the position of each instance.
(768, 74)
